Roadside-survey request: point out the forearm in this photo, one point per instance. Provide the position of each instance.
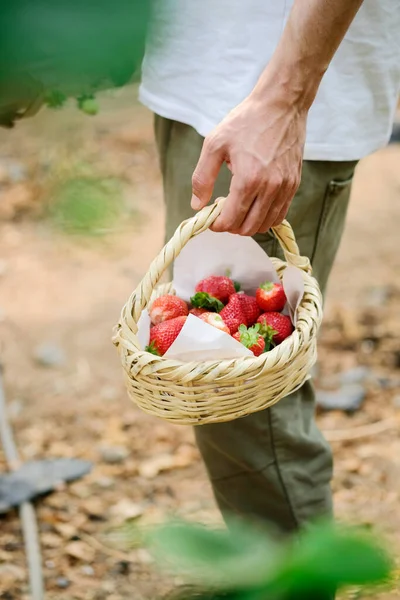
(313, 33)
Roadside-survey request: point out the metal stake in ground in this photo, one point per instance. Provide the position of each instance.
(26, 510)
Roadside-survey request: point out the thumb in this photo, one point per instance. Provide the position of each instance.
(205, 174)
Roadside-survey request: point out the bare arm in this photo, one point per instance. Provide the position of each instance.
(262, 139)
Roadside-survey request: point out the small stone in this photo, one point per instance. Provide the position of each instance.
(347, 398)
(49, 354)
(17, 172)
(49, 564)
(105, 483)
(396, 401)
(358, 374)
(87, 570)
(376, 297)
(114, 454)
(126, 510)
(144, 557)
(62, 582)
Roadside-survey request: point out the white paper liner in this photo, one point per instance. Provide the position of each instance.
(220, 254)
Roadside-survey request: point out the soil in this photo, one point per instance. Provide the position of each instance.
(67, 290)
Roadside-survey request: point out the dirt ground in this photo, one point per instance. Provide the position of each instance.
(68, 290)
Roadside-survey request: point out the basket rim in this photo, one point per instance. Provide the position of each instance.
(295, 338)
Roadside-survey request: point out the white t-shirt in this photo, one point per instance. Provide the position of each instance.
(205, 56)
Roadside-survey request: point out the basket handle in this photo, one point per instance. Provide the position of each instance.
(188, 229)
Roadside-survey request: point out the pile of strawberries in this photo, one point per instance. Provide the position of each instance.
(256, 322)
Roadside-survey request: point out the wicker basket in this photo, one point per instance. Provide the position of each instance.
(195, 393)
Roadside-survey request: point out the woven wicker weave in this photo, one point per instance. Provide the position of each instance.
(194, 393)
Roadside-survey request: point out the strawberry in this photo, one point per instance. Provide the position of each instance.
(271, 297)
(164, 334)
(197, 311)
(249, 307)
(215, 320)
(251, 338)
(218, 286)
(275, 324)
(204, 300)
(167, 307)
(233, 314)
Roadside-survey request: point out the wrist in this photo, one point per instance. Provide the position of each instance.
(291, 83)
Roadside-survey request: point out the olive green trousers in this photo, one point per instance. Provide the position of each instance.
(275, 464)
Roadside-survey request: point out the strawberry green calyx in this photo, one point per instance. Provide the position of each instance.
(204, 300)
(152, 349)
(249, 336)
(267, 286)
(268, 333)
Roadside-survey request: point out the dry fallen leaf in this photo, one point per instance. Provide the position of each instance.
(351, 464)
(81, 551)
(66, 530)
(50, 540)
(151, 467)
(125, 510)
(93, 506)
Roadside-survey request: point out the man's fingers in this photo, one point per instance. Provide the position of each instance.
(205, 173)
(280, 207)
(236, 206)
(282, 215)
(260, 212)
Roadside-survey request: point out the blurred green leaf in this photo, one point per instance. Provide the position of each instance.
(68, 47)
(239, 557)
(248, 564)
(86, 204)
(88, 105)
(327, 557)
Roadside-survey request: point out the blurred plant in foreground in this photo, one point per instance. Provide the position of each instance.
(54, 50)
(247, 563)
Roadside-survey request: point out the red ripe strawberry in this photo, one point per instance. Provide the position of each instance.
(167, 307)
(271, 297)
(233, 314)
(164, 334)
(197, 311)
(218, 286)
(251, 338)
(250, 308)
(279, 325)
(215, 320)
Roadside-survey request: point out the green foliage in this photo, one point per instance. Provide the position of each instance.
(247, 563)
(85, 204)
(70, 48)
(88, 104)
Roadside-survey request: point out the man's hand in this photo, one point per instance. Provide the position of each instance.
(262, 143)
(262, 139)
